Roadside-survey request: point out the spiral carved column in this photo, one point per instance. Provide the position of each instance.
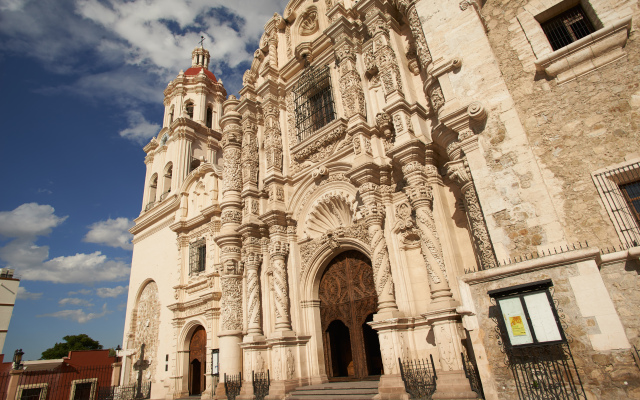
(421, 199)
(374, 218)
(278, 251)
(254, 307)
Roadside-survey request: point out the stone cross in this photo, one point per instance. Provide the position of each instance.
(140, 366)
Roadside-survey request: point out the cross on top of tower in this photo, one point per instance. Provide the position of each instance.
(201, 41)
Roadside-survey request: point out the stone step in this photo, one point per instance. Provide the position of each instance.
(358, 390)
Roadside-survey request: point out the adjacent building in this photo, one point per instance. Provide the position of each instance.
(400, 179)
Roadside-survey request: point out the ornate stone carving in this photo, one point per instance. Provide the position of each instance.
(232, 177)
(252, 263)
(405, 225)
(231, 216)
(231, 308)
(144, 327)
(333, 210)
(273, 137)
(321, 148)
(459, 172)
(308, 22)
(280, 286)
(291, 364)
(436, 97)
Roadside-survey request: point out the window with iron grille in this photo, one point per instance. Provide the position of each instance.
(619, 189)
(567, 27)
(313, 101)
(197, 256)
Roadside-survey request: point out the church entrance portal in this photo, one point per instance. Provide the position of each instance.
(348, 301)
(197, 359)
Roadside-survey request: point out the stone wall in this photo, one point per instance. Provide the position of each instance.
(622, 280)
(607, 373)
(574, 128)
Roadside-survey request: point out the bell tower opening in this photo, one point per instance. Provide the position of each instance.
(348, 301)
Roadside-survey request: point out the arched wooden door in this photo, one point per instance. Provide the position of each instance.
(347, 298)
(197, 361)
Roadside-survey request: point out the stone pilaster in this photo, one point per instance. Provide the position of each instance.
(459, 172)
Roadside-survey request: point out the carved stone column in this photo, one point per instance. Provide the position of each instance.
(279, 251)
(459, 172)
(374, 218)
(254, 307)
(442, 315)
(229, 241)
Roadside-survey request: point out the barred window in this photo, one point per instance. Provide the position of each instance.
(313, 101)
(567, 27)
(197, 256)
(619, 189)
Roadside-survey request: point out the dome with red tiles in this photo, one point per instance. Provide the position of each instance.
(196, 70)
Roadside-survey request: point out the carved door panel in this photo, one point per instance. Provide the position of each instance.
(347, 294)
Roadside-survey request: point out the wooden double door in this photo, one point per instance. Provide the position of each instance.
(348, 301)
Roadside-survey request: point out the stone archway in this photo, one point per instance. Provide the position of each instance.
(347, 301)
(197, 361)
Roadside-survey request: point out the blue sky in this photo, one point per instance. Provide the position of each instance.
(81, 86)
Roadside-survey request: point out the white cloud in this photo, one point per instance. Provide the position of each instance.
(111, 292)
(79, 268)
(112, 232)
(23, 294)
(74, 301)
(29, 220)
(140, 130)
(81, 291)
(77, 315)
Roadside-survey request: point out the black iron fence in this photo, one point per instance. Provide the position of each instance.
(125, 392)
(546, 372)
(232, 385)
(261, 382)
(471, 372)
(419, 377)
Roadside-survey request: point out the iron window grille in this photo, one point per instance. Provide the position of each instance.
(313, 101)
(197, 256)
(567, 27)
(620, 192)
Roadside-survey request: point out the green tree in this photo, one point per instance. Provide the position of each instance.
(71, 342)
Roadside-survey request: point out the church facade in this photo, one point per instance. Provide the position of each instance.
(400, 180)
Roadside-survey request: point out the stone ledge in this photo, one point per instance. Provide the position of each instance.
(591, 52)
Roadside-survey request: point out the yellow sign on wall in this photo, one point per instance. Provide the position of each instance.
(517, 326)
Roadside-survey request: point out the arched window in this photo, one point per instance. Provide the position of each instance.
(171, 116)
(209, 117)
(168, 172)
(189, 108)
(153, 186)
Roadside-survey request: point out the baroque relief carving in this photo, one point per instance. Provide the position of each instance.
(231, 309)
(308, 22)
(321, 148)
(144, 326)
(333, 210)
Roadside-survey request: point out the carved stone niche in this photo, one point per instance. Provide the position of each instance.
(308, 22)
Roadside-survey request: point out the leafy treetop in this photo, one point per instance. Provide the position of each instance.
(71, 342)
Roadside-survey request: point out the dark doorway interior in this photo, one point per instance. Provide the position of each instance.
(340, 344)
(372, 348)
(197, 359)
(194, 368)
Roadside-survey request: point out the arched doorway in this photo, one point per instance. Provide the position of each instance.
(348, 301)
(197, 361)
